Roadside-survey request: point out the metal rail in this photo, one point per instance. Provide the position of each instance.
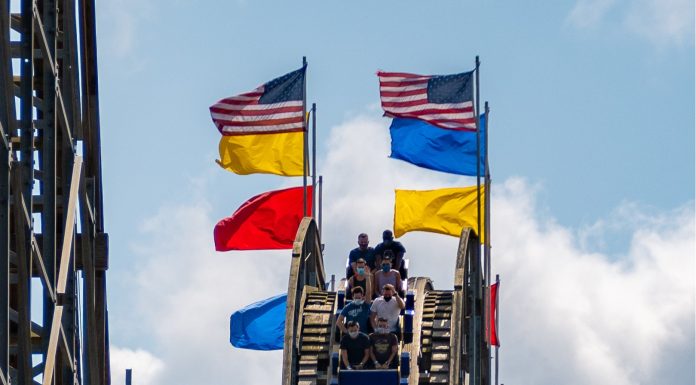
(50, 167)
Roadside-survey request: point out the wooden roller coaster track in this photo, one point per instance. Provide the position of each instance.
(447, 345)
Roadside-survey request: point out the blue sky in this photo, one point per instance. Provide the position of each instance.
(592, 114)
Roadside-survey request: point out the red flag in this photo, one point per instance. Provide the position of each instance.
(494, 314)
(266, 221)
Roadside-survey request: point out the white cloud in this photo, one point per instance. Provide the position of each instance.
(662, 22)
(121, 24)
(146, 368)
(186, 304)
(589, 13)
(569, 313)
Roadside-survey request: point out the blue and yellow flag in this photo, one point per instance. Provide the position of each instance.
(444, 211)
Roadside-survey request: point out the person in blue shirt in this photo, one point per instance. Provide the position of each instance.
(362, 251)
(356, 310)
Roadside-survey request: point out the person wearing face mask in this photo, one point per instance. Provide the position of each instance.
(356, 310)
(355, 348)
(387, 275)
(397, 251)
(385, 346)
(388, 306)
(362, 251)
(361, 278)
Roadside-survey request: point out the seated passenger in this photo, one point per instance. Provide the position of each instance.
(385, 347)
(389, 307)
(362, 278)
(362, 251)
(387, 275)
(355, 348)
(397, 249)
(356, 310)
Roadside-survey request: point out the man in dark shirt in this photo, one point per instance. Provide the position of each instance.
(388, 243)
(362, 251)
(385, 346)
(355, 348)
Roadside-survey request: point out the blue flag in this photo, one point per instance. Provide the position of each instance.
(261, 325)
(435, 148)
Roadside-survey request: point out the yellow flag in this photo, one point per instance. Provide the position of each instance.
(444, 211)
(279, 154)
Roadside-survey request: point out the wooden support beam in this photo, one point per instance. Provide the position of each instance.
(65, 254)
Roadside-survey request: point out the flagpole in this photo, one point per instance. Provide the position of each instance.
(304, 140)
(314, 159)
(474, 360)
(497, 316)
(487, 199)
(321, 190)
(487, 231)
(478, 154)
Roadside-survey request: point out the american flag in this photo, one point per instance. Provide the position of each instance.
(442, 100)
(276, 106)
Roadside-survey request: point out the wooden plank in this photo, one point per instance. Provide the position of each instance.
(316, 319)
(315, 339)
(441, 324)
(314, 349)
(63, 271)
(437, 378)
(319, 308)
(440, 356)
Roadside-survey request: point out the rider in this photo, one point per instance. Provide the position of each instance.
(355, 348)
(385, 346)
(356, 310)
(389, 307)
(362, 278)
(387, 275)
(398, 250)
(362, 251)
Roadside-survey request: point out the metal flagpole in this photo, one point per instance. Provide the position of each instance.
(478, 155)
(487, 199)
(129, 374)
(321, 215)
(314, 159)
(487, 231)
(304, 136)
(497, 316)
(474, 370)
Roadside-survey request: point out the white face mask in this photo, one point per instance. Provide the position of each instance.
(353, 334)
(358, 301)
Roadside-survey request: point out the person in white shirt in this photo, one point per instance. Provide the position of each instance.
(388, 306)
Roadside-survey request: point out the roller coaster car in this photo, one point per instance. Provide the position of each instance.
(372, 377)
(442, 339)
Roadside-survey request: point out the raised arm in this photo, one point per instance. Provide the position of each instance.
(399, 301)
(340, 323)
